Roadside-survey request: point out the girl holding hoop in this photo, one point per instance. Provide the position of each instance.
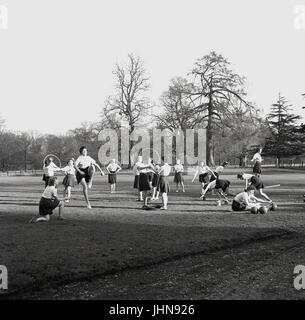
(85, 169)
(49, 168)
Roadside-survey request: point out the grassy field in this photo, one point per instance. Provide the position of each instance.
(117, 250)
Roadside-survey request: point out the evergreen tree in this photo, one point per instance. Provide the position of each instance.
(286, 138)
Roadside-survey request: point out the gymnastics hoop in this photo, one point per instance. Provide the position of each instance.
(51, 155)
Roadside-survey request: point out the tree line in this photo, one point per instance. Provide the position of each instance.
(212, 96)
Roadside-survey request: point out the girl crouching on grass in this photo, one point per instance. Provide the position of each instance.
(246, 200)
(48, 202)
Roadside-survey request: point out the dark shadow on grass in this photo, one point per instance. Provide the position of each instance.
(104, 207)
(20, 203)
(210, 246)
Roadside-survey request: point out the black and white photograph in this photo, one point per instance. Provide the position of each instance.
(152, 151)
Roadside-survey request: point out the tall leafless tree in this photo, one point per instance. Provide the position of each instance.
(129, 102)
(216, 89)
(179, 109)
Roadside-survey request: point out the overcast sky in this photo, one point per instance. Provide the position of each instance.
(56, 57)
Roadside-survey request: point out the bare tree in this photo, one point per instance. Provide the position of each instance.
(24, 141)
(216, 89)
(2, 124)
(129, 102)
(179, 109)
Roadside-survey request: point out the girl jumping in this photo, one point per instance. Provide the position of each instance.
(85, 169)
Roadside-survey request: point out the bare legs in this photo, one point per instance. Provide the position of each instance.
(155, 195)
(264, 195)
(60, 210)
(202, 188)
(112, 188)
(85, 192)
(211, 185)
(67, 193)
(222, 194)
(145, 198)
(91, 172)
(164, 201)
(182, 185)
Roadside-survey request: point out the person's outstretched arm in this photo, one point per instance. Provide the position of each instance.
(107, 168)
(100, 169)
(195, 175)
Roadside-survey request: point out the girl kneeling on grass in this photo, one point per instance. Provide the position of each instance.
(48, 202)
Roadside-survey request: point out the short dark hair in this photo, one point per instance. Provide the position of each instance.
(51, 182)
(225, 163)
(81, 149)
